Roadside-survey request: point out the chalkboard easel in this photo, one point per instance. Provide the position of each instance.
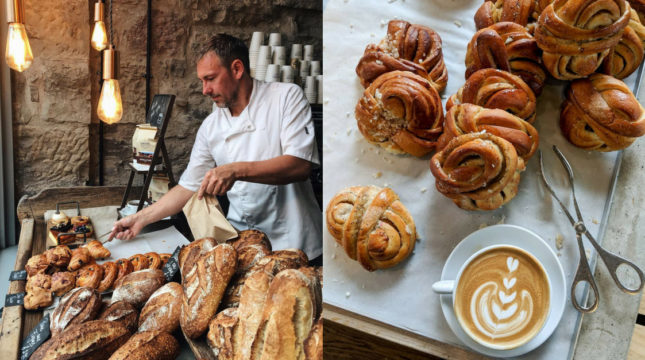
(158, 116)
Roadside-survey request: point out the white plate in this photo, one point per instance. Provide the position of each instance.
(522, 238)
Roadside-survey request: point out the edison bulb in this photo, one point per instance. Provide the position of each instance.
(99, 36)
(110, 108)
(18, 52)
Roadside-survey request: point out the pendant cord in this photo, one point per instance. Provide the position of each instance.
(111, 28)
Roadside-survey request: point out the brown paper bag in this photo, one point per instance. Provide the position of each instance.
(206, 219)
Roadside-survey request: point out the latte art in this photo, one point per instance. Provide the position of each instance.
(502, 298)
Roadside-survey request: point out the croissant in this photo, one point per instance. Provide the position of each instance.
(469, 118)
(97, 250)
(577, 35)
(478, 171)
(507, 46)
(627, 55)
(110, 272)
(89, 275)
(80, 256)
(407, 47)
(497, 89)
(516, 11)
(601, 113)
(372, 225)
(401, 112)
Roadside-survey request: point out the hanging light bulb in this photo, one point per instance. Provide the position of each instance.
(110, 108)
(18, 52)
(99, 34)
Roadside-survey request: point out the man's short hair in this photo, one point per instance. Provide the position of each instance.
(227, 48)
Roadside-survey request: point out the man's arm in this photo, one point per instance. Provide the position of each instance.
(169, 204)
(280, 170)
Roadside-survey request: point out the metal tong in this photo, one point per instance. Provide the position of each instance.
(583, 273)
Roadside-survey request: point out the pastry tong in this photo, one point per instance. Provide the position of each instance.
(583, 273)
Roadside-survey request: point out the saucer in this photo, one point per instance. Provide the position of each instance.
(526, 240)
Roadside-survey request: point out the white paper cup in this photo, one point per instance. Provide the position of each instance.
(305, 67)
(253, 58)
(264, 57)
(279, 55)
(257, 40)
(275, 39)
(287, 74)
(310, 89)
(296, 51)
(315, 68)
(261, 71)
(273, 73)
(309, 52)
(319, 88)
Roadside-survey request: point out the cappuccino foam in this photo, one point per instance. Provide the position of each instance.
(502, 298)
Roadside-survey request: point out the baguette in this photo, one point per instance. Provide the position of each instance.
(148, 345)
(137, 287)
(204, 287)
(77, 306)
(163, 309)
(221, 334)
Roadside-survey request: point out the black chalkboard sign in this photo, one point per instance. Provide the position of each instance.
(172, 266)
(159, 109)
(36, 337)
(18, 275)
(14, 299)
(1, 311)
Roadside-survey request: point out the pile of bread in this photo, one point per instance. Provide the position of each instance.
(252, 304)
(486, 137)
(60, 269)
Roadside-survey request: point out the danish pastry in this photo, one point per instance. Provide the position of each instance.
(164, 258)
(516, 11)
(139, 262)
(124, 267)
(80, 257)
(497, 89)
(627, 55)
(478, 171)
(468, 118)
(601, 113)
(372, 225)
(110, 272)
(90, 276)
(154, 261)
(401, 112)
(407, 47)
(507, 46)
(577, 35)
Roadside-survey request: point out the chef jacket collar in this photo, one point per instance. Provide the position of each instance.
(243, 122)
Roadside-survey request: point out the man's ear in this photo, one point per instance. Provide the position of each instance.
(237, 69)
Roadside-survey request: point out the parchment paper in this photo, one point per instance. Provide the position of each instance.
(402, 296)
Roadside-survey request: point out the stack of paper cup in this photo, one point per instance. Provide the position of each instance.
(309, 52)
(287, 75)
(315, 68)
(264, 59)
(304, 71)
(279, 55)
(275, 39)
(273, 73)
(254, 49)
(296, 51)
(319, 87)
(310, 89)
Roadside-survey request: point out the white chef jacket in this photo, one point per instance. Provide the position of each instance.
(277, 121)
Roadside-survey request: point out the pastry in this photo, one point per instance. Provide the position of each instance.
(406, 47)
(469, 118)
(110, 272)
(627, 55)
(37, 264)
(204, 286)
(164, 258)
(577, 35)
(478, 171)
(148, 345)
(639, 6)
(507, 46)
(80, 257)
(162, 310)
(81, 224)
(601, 113)
(77, 306)
(97, 250)
(372, 225)
(401, 112)
(124, 266)
(62, 282)
(89, 275)
(494, 11)
(139, 262)
(39, 293)
(59, 256)
(220, 335)
(137, 286)
(154, 260)
(122, 312)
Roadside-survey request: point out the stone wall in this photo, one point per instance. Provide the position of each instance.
(54, 101)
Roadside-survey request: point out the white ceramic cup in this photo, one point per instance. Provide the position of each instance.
(279, 55)
(296, 51)
(257, 39)
(450, 287)
(309, 52)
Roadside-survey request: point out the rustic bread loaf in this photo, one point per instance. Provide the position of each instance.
(163, 309)
(221, 334)
(122, 312)
(204, 286)
(287, 318)
(137, 287)
(148, 345)
(192, 252)
(93, 340)
(314, 342)
(250, 311)
(78, 306)
(247, 257)
(250, 237)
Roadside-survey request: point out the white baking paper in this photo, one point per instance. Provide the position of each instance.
(402, 296)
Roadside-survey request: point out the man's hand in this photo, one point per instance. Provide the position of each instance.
(127, 228)
(219, 180)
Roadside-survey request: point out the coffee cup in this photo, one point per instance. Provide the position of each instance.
(296, 51)
(257, 39)
(308, 52)
(501, 296)
(279, 55)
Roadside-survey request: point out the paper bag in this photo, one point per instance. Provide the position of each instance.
(206, 219)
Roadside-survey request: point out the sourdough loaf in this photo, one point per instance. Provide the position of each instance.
(190, 253)
(122, 312)
(77, 306)
(252, 300)
(314, 342)
(163, 309)
(247, 257)
(148, 345)
(137, 287)
(204, 286)
(221, 334)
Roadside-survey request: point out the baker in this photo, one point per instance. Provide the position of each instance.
(257, 147)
